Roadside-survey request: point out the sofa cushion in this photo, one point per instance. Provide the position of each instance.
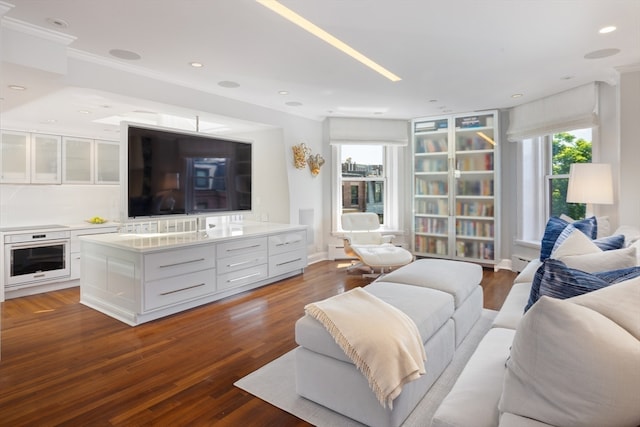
(555, 279)
(576, 363)
(473, 400)
(458, 278)
(513, 307)
(556, 225)
(527, 274)
(429, 309)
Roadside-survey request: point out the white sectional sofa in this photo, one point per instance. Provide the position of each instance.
(565, 362)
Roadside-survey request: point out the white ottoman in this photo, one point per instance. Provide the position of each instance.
(458, 278)
(325, 375)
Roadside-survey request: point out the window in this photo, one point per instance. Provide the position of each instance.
(366, 182)
(567, 148)
(363, 179)
(544, 178)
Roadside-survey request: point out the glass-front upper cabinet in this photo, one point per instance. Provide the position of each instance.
(455, 160)
(77, 160)
(15, 152)
(107, 162)
(46, 159)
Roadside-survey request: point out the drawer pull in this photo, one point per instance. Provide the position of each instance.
(288, 243)
(244, 248)
(243, 277)
(35, 276)
(242, 263)
(289, 262)
(182, 263)
(182, 289)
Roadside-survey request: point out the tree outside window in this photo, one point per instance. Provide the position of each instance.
(567, 148)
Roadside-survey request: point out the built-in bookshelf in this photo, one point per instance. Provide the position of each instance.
(455, 197)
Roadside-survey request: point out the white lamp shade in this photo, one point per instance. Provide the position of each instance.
(590, 183)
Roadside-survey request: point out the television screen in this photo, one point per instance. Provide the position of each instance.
(173, 172)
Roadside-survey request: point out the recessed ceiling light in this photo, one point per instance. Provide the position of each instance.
(59, 23)
(228, 84)
(84, 111)
(517, 95)
(433, 100)
(566, 77)
(306, 25)
(196, 64)
(283, 92)
(17, 87)
(293, 104)
(608, 29)
(124, 54)
(602, 53)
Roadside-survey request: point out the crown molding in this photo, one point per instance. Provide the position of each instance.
(34, 30)
(5, 7)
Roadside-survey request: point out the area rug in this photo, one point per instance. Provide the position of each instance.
(275, 383)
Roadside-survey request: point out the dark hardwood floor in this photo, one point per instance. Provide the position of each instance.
(65, 364)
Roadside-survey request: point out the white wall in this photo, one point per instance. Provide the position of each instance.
(57, 204)
(629, 146)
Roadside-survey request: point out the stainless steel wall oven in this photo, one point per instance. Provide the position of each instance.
(36, 256)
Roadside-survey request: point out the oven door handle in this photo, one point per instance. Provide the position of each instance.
(37, 243)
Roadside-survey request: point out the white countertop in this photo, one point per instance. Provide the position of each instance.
(149, 242)
(26, 229)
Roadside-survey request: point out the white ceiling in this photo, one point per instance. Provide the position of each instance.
(452, 55)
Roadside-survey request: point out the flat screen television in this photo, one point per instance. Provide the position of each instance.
(174, 172)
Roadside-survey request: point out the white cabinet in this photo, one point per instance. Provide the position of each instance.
(32, 158)
(178, 275)
(287, 252)
(77, 160)
(74, 245)
(29, 158)
(107, 162)
(15, 166)
(455, 186)
(136, 281)
(45, 159)
(241, 262)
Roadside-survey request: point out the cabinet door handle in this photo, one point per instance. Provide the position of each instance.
(289, 262)
(243, 277)
(182, 289)
(181, 263)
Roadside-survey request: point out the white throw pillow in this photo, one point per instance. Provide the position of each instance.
(602, 261)
(577, 243)
(576, 363)
(631, 234)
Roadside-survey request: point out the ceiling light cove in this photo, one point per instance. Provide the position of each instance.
(303, 23)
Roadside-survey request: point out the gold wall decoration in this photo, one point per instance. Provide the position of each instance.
(300, 153)
(315, 162)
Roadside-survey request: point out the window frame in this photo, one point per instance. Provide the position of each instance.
(541, 156)
(390, 178)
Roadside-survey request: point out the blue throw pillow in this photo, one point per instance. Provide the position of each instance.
(534, 293)
(555, 279)
(610, 243)
(554, 228)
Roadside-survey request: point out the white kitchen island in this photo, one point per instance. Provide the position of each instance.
(136, 278)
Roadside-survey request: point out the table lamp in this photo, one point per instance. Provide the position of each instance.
(590, 183)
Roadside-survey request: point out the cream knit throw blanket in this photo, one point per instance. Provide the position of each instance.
(382, 341)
